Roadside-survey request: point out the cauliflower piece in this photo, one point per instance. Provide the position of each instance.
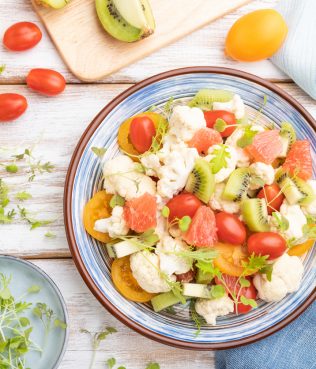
(146, 271)
(185, 121)
(218, 203)
(263, 172)
(115, 225)
(311, 208)
(151, 164)
(230, 159)
(236, 106)
(286, 278)
(175, 171)
(211, 309)
(170, 263)
(296, 219)
(121, 177)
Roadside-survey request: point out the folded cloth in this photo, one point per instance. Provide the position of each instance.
(297, 56)
(294, 347)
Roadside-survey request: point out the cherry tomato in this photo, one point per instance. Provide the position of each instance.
(267, 243)
(227, 116)
(11, 106)
(46, 81)
(183, 204)
(233, 287)
(22, 36)
(230, 229)
(273, 195)
(125, 282)
(141, 133)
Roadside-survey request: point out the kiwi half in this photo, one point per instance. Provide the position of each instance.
(295, 189)
(204, 98)
(201, 181)
(237, 185)
(255, 214)
(288, 137)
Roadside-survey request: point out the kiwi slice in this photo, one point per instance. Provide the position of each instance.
(137, 24)
(255, 214)
(201, 181)
(295, 189)
(237, 185)
(288, 137)
(164, 300)
(204, 98)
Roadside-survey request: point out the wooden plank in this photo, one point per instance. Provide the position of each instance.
(203, 47)
(129, 348)
(57, 124)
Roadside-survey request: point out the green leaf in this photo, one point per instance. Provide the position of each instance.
(247, 137)
(165, 212)
(244, 282)
(110, 363)
(22, 196)
(6, 217)
(34, 289)
(24, 321)
(50, 235)
(2, 68)
(168, 105)
(12, 168)
(220, 159)
(244, 300)
(37, 312)
(153, 366)
(121, 367)
(149, 238)
(280, 221)
(254, 264)
(5, 294)
(98, 151)
(60, 324)
(4, 190)
(111, 330)
(217, 291)
(184, 223)
(117, 200)
(197, 319)
(139, 168)
(207, 267)
(309, 231)
(220, 125)
(35, 223)
(267, 270)
(203, 254)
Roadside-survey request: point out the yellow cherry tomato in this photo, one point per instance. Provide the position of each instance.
(97, 208)
(125, 283)
(299, 250)
(256, 36)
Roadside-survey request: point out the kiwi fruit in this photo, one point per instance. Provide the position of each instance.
(164, 300)
(255, 214)
(126, 20)
(204, 98)
(204, 278)
(295, 189)
(201, 181)
(237, 185)
(288, 137)
(55, 4)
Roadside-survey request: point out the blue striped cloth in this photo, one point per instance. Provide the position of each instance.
(297, 57)
(294, 347)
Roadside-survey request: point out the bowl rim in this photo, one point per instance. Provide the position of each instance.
(59, 295)
(69, 182)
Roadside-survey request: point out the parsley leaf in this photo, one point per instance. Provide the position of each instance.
(110, 363)
(23, 195)
(153, 366)
(254, 264)
(99, 151)
(220, 158)
(247, 137)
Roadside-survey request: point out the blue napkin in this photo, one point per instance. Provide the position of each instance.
(294, 347)
(297, 57)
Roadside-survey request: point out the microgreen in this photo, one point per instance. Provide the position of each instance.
(254, 264)
(12, 168)
(4, 190)
(184, 223)
(50, 234)
(205, 255)
(165, 212)
(220, 159)
(111, 362)
(34, 223)
(247, 137)
(153, 366)
(145, 241)
(309, 231)
(99, 151)
(217, 291)
(6, 217)
(244, 282)
(2, 68)
(220, 125)
(168, 106)
(207, 267)
(39, 168)
(161, 131)
(244, 300)
(175, 287)
(280, 221)
(23, 195)
(267, 270)
(117, 200)
(197, 319)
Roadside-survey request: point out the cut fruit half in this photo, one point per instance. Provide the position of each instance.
(237, 185)
(164, 300)
(196, 290)
(205, 98)
(255, 214)
(288, 137)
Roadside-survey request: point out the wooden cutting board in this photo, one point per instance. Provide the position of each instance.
(90, 53)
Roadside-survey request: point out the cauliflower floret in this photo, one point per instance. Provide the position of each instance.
(262, 172)
(211, 309)
(151, 164)
(230, 159)
(145, 268)
(185, 121)
(175, 171)
(286, 278)
(296, 219)
(311, 208)
(236, 106)
(170, 263)
(115, 225)
(121, 177)
(218, 203)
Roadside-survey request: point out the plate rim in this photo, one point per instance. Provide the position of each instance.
(69, 182)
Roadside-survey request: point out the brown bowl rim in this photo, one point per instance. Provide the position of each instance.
(68, 211)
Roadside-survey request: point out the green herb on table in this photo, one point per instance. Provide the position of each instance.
(50, 235)
(6, 217)
(153, 366)
(34, 223)
(2, 68)
(23, 196)
(110, 363)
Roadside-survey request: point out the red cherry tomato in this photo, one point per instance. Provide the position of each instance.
(11, 106)
(22, 36)
(227, 116)
(230, 229)
(273, 195)
(233, 287)
(46, 81)
(141, 133)
(267, 243)
(182, 205)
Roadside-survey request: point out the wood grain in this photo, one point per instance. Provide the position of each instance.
(203, 47)
(56, 124)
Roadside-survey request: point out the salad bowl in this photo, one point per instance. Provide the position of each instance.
(84, 178)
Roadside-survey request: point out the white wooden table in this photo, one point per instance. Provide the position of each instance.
(56, 124)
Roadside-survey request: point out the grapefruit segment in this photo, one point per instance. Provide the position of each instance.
(140, 213)
(202, 230)
(266, 146)
(204, 138)
(299, 160)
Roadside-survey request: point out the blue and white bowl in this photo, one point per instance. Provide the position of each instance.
(84, 179)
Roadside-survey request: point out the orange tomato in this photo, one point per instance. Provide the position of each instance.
(256, 36)
(299, 250)
(230, 257)
(97, 208)
(125, 283)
